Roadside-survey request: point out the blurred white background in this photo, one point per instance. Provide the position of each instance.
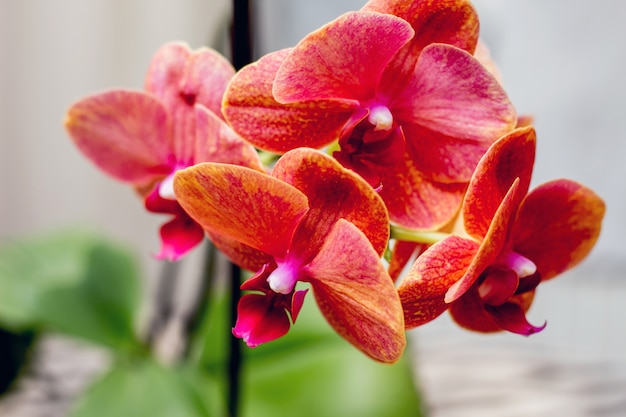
(563, 62)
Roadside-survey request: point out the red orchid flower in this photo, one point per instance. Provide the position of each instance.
(143, 138)
(310, 221)
(411, 116)
(516, 241)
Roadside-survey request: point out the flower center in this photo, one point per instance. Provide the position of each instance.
(381, 118)
(283, 278)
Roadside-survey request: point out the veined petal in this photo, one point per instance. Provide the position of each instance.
(453, 94)
(241, 204)
(125, 133)
(252, 111)
(433, 272)
(511, 157)
(333, 193)
(442, 158)
(416, 202)
(217, 142)
(182, 77)
(243, 255)
(342, 60)
(356, 295)
(491, 246)
(453, 22)
(557, 225)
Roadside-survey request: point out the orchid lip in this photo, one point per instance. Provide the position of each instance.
(380, 117)
(283, 279)
(522, 266)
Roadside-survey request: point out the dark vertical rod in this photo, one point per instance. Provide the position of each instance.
(241, 34)
(241, 52)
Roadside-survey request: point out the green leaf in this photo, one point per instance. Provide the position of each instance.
(144, 388)
(31, 266)
(73, 282)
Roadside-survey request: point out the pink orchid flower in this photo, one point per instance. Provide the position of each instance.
(143, 137)
(310, 221)
(410, 116)
(516, 241)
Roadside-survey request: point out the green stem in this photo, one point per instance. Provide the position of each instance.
(417, 236)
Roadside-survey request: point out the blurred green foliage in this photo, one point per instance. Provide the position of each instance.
(83, 285)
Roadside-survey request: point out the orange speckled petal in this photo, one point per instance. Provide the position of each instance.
(356, 295)
(241, 204)
(422, 290)
(333, 192)
(125, 133)
(453, 22)
(252, 111)
(511, 157)
(557, 226)
(453, 94)
(416, 202)
(492, 244)
(342, 60)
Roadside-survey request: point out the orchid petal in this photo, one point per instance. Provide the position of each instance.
(252, 111)
(434, 271)
(125, 133)
(442, 158)
(181, 77)
(453, 22)
(453, 94)
(509, 158)
(342, 60)
(415, 202)
(491, 246)
(217, 142)
(356, 295)
(557, 225)
(258, 321)
(226, 199)
(333, 193)
(240, 254)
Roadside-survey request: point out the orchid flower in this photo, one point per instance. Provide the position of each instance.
(143, 137)
(410, 109)
(516, 240)
(310, 221)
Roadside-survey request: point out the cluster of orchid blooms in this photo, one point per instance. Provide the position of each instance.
(389, 134)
